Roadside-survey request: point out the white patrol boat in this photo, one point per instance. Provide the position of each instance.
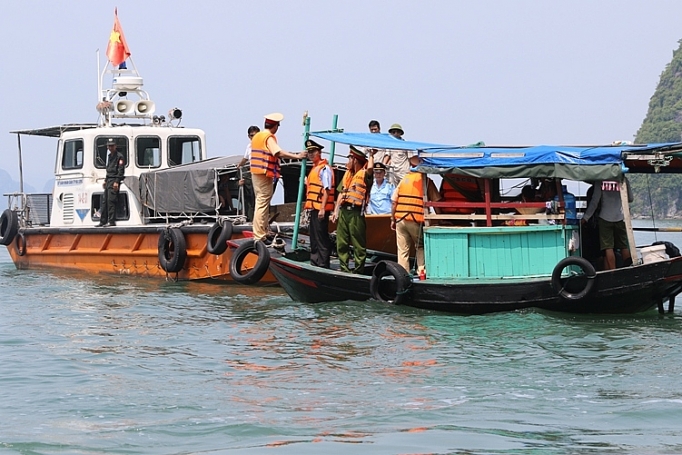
(176, 209)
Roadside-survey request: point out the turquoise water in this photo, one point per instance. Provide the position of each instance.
(111, 365)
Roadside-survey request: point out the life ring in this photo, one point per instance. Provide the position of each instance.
(378, 286)
(588, 271)
(9, 226)
(218, 236)
(172, 250)
(20, 244)
(258, 271)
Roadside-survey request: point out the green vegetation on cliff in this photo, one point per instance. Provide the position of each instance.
(663, 123)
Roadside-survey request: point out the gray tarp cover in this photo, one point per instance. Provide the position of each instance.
(188, 188)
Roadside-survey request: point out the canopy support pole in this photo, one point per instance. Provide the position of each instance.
(332, 146)
(488, 208)
(628, 221)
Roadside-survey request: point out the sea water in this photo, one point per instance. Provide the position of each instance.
(123, 365)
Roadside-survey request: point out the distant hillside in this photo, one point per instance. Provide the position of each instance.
(8, 185)
(663, 123)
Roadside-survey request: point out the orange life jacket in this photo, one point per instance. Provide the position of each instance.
(314, 193)
(467, 187)
(354, 189)
(262, 161)
(411, 198)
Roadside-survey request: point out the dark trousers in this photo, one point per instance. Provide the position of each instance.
(320, 243)
(109, 200)
(249, 197)
(350, 230)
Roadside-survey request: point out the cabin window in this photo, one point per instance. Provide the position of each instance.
(101, 150)
(148, 151)
(72, 156)
(183, 150)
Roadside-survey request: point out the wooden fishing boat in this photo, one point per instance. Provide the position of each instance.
(516, 255)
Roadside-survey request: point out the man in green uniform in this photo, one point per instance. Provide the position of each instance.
(115, 171)
(349, 212)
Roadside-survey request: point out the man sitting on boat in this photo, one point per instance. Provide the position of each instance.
(612, 231)
(407, 214)
(350, 210)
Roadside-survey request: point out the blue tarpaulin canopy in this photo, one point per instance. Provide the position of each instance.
(570, 162)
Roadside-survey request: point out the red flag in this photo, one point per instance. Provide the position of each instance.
(117, 49)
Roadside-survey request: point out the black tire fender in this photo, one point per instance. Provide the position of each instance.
(588, 271)
(218, 236)
(20, 244)
(258, 271)
(9, 226)
(378, 286)
(172, 250)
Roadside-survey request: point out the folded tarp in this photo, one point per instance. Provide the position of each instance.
(188, 188)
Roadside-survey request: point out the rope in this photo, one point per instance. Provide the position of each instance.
(209, 272)
(651, 205)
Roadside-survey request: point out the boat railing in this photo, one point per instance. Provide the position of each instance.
(69, 175)
(33, 209)
(485, 211)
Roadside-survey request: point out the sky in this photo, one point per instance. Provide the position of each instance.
(504, 72)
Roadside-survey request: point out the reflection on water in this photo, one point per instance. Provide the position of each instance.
(101, 364)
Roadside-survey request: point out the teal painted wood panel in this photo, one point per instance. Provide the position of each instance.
(513, 251)
(450, 252)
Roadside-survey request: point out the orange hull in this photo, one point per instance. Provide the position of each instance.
(121, 251)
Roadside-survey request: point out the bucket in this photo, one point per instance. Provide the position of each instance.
(653, 254)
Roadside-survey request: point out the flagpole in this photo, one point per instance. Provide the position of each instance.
(99, 80)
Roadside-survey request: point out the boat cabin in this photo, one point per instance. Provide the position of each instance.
(80, 168)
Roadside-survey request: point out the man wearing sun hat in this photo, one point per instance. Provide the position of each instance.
(265, 156)
(399, 160)
(319, 202)
(350, 210)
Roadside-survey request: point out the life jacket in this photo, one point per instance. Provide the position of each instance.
(354, 189)
(459, 188)
(262, 161)
(314, 193)
(410, 198)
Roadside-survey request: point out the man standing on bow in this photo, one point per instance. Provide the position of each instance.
(350, 211)
(320, 202)
(612, 230)
(112, 184)
(265, 156)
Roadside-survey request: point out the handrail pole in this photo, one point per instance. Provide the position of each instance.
(21, 175)
(301, 182)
